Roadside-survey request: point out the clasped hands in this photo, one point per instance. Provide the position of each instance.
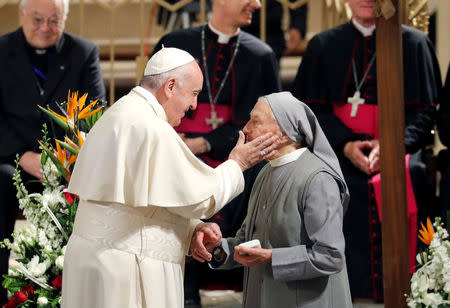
(31, 163)
(207, 236)
(355, 152)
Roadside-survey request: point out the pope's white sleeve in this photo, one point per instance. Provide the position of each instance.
(231, 184)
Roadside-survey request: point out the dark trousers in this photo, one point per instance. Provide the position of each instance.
(9, 207)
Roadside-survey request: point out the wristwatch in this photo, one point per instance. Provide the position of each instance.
(218, 257)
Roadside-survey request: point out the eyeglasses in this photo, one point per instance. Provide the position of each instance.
(52, 22)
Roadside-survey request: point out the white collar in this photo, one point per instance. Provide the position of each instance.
(222, 37)
(153, 102)
(39, 51)
(365, 31)
(287, 158)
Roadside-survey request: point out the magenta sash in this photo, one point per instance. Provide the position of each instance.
(366, 122)
(411, 210)
(198, 122)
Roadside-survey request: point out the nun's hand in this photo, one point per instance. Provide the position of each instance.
(249, 154)
(250, 256)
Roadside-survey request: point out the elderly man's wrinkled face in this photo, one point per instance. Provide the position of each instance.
(42, 22)
(362, 11)
(184, 95)
(261, 122)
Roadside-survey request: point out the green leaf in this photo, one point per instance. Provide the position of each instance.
(43, 158)
(68, 147)
(57, 120)
(90, 121)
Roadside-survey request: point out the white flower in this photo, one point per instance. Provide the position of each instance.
(51, 172)
(51, 198)
(436, 242)
(42, 301)
(423, 283)
(412, 303)
(23, 203)
(447, 288)
(419, 259)
(60, 262)
(38, 269)
(432, 278)
(432, 299)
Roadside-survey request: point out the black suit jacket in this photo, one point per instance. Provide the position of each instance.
(74, 66)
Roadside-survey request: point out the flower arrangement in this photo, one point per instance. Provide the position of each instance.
(430, 284)
(36, 278)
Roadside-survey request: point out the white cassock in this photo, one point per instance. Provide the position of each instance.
(141, 192)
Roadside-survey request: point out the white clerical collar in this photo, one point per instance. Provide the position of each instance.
(222, 37)
(287, 158)
(365, 31)
(153, 102)
(40, 51)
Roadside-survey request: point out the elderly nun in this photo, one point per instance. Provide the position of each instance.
(296, 211)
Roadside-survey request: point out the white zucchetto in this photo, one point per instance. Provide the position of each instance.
(167, 59)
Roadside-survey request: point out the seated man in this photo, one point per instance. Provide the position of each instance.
(296, 211)
(40, 63)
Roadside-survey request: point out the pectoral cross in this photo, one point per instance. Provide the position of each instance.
(214, 121)
(355, 101)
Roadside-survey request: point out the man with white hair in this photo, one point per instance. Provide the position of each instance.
(39, 63)
(238, 68)
(141, 202)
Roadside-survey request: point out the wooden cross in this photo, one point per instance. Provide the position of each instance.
(391, 119)
(355, 101)
(214, 121)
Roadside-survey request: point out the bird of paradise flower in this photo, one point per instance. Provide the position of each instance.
(426, 234)
(65, 153)
(75, 111)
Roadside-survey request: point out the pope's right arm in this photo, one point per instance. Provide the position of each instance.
(231, 180)
(230, 184)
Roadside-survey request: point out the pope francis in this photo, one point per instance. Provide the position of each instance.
(142, 193)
